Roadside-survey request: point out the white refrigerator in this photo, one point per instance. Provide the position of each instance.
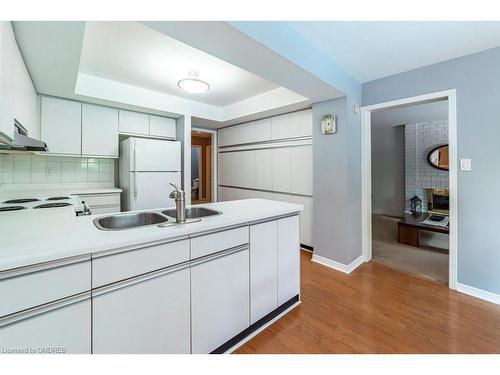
(147, 167)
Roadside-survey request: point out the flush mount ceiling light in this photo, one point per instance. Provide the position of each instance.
(193, 84)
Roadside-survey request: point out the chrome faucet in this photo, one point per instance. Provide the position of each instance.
(180, 203)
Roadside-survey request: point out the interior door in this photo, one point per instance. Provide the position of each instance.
(152, 155)
(151, 190)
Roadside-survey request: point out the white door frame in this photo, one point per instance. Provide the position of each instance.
(214, 159)
(366, 201)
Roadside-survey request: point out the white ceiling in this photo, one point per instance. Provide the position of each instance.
(371, 50)
(411, 114)
(131, 53)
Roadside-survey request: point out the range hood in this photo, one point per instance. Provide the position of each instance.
(21, 141)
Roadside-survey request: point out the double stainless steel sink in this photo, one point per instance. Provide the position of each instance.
(142, 219)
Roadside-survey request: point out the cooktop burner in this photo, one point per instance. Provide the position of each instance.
(52, 205)
(11, 208)
(57, 198)
(23, 200)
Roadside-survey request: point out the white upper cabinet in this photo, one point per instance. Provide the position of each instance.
(61, 126)
(7, 84)
(263, 130)
(280, 126)
(24, 97)
(245, 133)
(133, 122)
(99, 131)
(223, 137)
(162, 127)
(301, 170)
(301, 123)
(17, 94)
(234, 135)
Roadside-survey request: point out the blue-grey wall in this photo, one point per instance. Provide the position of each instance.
(476, 79)
(337, 184)
(388, 170)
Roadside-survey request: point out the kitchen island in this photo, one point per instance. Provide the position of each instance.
(201, 287)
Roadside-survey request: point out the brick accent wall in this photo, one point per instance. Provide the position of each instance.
(421, 138)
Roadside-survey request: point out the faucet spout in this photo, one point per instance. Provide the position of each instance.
(180, 203)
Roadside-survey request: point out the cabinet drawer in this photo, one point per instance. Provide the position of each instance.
(212, 243)
(101, 199)
(26, 290)
(111, 268)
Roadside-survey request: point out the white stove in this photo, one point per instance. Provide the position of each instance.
(42, 203)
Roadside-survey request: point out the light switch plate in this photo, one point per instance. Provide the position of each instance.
(465, 164)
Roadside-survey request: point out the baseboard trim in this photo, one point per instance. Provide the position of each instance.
(257, 327)
(306, 248)
(345, 268)
(478, 293)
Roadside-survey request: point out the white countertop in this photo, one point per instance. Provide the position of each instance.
(33, 236)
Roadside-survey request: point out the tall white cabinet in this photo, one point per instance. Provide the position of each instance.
(270, 158)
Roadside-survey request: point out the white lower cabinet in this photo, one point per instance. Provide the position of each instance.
(63, 328)
(192, 299)
(263, 269)
(219, 300)
(288, 258)
(150, 315)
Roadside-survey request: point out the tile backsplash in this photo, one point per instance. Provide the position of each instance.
(39, 169)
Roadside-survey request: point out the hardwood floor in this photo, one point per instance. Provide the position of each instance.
(377, 309)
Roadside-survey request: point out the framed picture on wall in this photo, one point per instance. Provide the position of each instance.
(329, 124)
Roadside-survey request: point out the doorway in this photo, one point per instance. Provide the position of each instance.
(367, 214)
(407, 189)
(202, 166)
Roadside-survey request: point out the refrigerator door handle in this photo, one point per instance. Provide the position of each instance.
(135, 170)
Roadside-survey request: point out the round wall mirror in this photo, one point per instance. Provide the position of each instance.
(438, 157)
